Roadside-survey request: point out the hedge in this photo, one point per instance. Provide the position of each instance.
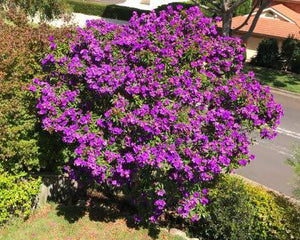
(17, 196)
(104, 10)
(113, 11)
(243, 211)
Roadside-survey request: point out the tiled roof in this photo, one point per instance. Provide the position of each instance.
(272, 27)
(287, 12)
(269, 27)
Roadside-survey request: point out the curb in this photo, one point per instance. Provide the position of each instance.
(285, 92)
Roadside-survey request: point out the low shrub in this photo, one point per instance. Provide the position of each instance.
(104, 10)
(267, 54)
(18, 194)
(288, 50)
(88, 8)
(295, 64)
(239, 210)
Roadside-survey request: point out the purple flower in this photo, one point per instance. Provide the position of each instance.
(161, 192)
(32, 88)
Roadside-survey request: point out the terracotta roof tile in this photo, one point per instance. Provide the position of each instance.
(268, 27)
(287, 12)
(272, 27)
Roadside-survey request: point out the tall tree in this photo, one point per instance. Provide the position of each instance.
(47, 9)
(226, 10)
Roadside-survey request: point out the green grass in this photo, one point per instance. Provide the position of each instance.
(70, 223)
(275, 78)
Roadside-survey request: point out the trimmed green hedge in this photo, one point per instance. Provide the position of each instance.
(241, 211)
(104, 10)
(17, 196)
(113, 11)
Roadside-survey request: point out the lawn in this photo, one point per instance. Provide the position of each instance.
(70, 223)
(275, 78)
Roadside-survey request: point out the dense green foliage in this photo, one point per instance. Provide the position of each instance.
(288, 49)
(17, 196)
(290, 54)
(103, 10)
(267, 54)
(125, 13)
(48, 9)
(242, 211)
(287, 59)
(23, 146)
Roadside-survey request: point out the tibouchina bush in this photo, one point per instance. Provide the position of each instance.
(155, 109)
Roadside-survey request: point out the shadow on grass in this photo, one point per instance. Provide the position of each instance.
(276, 78)
(103, 209)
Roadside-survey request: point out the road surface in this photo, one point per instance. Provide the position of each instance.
(269, 167)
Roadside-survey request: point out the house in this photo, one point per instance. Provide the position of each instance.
(280, 20)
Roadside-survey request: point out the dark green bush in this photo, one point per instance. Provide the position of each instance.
(289, 49)
(295, 63)
(89, 8)
(104, 10)
(241, 211)
(17, 196)
(185, 5)
(120, 12)
(267, 54)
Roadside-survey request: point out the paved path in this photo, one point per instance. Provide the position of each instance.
(269, 167)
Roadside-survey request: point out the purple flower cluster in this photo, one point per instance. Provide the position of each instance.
(159, 107)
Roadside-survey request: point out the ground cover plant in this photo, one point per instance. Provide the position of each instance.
(155, 109)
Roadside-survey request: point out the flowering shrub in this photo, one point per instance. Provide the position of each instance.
(156, 109)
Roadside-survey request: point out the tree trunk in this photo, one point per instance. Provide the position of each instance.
(227, 21)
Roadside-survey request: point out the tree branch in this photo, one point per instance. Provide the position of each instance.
(255, 20)
(247, 19)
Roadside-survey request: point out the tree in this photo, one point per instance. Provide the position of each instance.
(48, 9)
(226, 10)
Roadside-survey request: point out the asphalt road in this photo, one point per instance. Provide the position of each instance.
(269, 167)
